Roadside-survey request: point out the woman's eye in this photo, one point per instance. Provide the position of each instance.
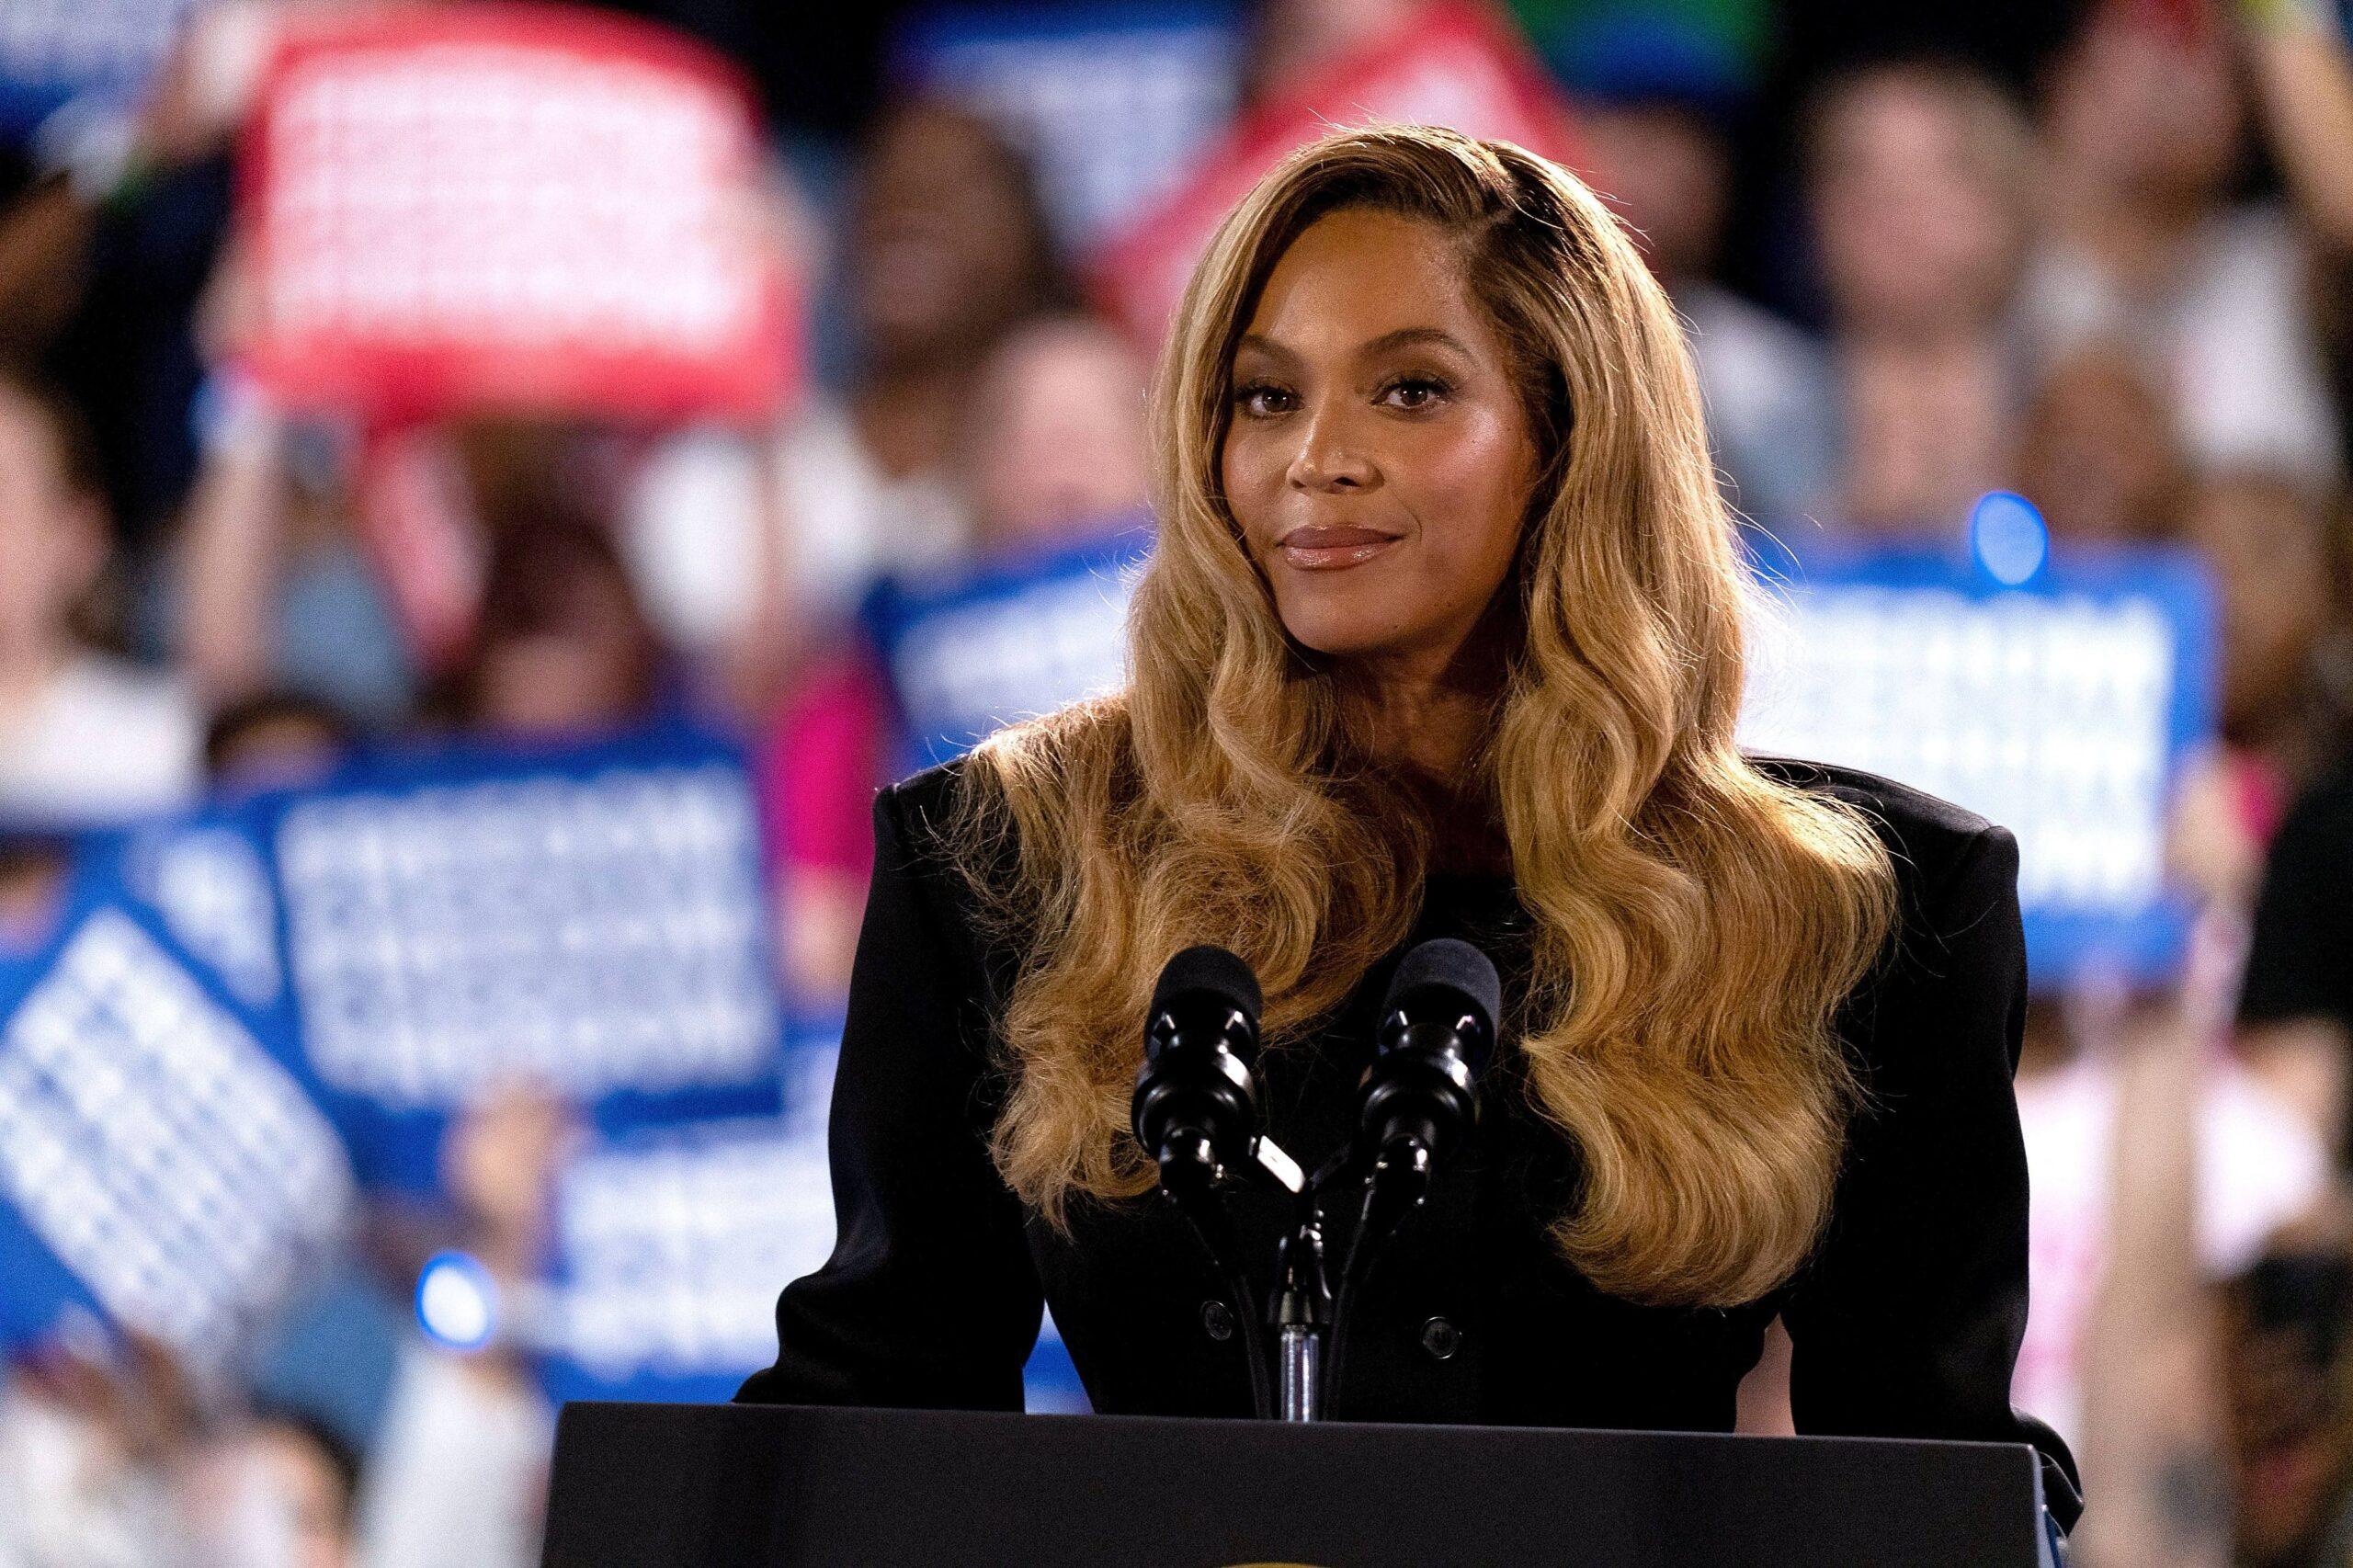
(1415, 392)
(1260, 398)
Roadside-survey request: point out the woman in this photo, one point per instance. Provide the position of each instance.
(1441, 637)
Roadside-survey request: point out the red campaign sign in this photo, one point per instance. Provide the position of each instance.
(516, 206)
(1453, 63)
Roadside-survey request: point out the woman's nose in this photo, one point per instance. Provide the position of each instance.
(1328, 459)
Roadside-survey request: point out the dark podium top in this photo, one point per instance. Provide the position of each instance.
(737, 1487)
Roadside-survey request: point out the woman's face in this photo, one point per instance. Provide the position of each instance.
(1378, 458)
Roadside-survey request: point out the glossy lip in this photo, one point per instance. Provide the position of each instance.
(1316, 547)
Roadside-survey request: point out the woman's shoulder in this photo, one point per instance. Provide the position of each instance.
(1930, 841)
(1082, 736)
(926, 801)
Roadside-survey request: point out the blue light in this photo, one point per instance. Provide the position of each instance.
(2008, 537)
(457, 1301)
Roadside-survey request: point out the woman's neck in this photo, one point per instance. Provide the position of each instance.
(1425, 721)
(1427, 712)
(1422, 726)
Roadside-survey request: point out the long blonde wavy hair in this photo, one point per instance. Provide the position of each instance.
(1696, 923)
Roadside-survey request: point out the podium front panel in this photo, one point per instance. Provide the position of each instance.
(768, 1486)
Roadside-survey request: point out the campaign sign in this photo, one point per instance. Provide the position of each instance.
(509, 204)
(205, 875)
(162, 1163)
(969, 650)
(672, 1244)
(1453, 63)
(53, 52)
(2063, 710)
(588, 921)
(1112, 101)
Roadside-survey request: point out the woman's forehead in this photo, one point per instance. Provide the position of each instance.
(1360, 280)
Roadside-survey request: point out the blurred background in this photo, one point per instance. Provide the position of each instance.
(488, 492)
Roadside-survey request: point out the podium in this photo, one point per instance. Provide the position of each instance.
(775, 1486)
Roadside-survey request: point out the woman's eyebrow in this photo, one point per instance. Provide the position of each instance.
(1262, 343)
(1416, 336)
(1402, 337)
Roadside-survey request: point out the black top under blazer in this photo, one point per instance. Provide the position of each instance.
(1905, 1322)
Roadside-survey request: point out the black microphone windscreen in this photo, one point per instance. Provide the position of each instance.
(1212, 970)
(1452, 965)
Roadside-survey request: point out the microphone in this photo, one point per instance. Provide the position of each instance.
(1195, 1105)
(1417, 1099)
(1196, 1113)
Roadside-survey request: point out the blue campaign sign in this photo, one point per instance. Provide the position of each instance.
(2057, 691)
(1114, 101)
(969, 650)
(57, 51)
(163, 1162)
(206, 875)
(671, 1246)
(589, 921)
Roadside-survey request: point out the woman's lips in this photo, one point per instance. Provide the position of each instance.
(1332, 549)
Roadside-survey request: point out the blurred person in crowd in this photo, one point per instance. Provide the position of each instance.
(560, 646)
(943, 247)
(309, 1477)
(274, 1489)
(101, 1450)
(2257, 1164)
(83, 736)
(2296, 1007)
(1917, 171)
(2285, 560)
(2139, 244)
(275, 740)
(2300, 65)
(458, 1474)
(1660, 153)
(2286, 1351)
(2274, 544)
(2187, 1193)
(107, 253)
(269, 586)
(35, 862)
(1056, 452)
(1056, 449)
(2301, 68)
(2160, 1157)
(2100, 454)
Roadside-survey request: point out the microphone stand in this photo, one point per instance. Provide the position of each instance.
(1300, 1313)
(1417, 1101)
(1190, 1176)
(1400, 1178)
(1310, 1321)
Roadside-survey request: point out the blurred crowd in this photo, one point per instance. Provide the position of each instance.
(2099, 259)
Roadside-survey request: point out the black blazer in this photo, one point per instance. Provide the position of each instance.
(1904, 1324)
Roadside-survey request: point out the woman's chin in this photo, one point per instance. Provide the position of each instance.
(1344, 640)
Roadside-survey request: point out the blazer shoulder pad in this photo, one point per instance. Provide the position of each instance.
(1926, 836)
